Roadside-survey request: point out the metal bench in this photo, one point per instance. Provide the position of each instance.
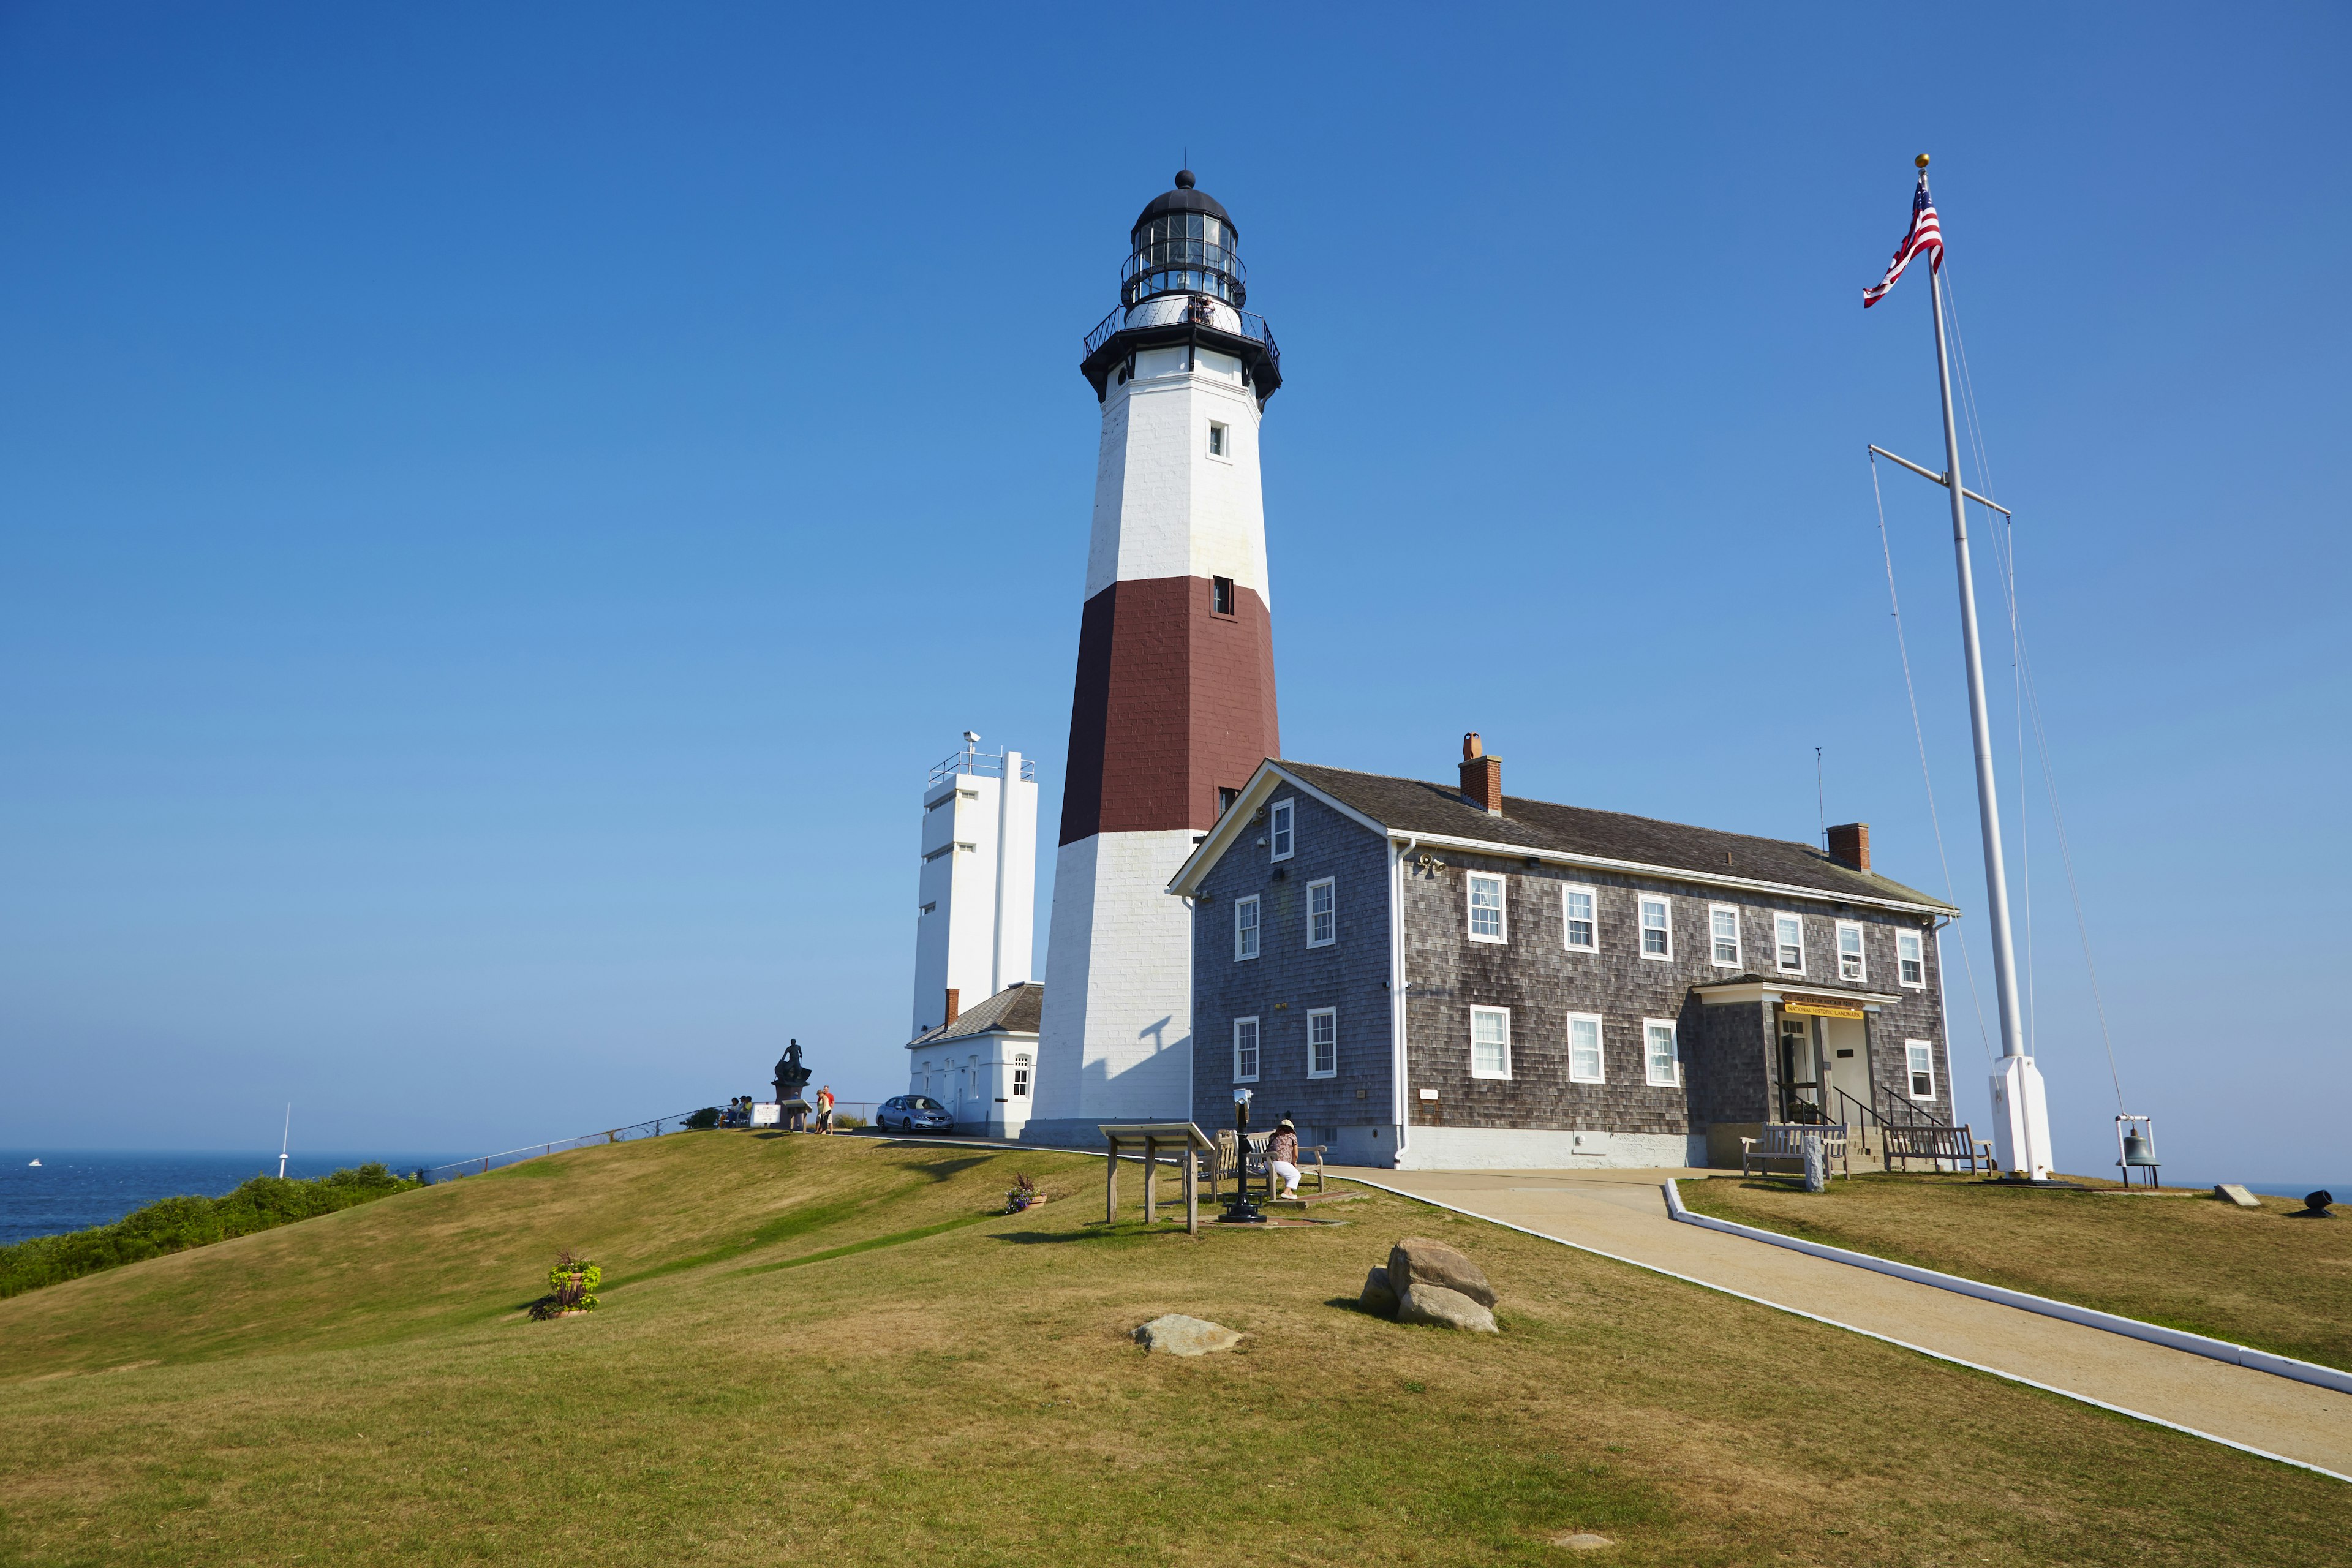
(1786, 1140)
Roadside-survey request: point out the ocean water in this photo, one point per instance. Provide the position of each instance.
(72, 1190)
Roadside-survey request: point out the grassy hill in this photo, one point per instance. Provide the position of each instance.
(820, 1350)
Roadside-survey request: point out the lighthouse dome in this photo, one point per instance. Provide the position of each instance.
(1183, 242)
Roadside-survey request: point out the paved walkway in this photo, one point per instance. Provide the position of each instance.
(1623, 1213)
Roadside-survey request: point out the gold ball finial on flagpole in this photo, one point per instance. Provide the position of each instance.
(1922, 159)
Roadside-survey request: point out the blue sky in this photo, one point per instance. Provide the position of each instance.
(499, 505)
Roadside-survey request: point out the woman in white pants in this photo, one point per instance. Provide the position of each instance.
(1282, 1156)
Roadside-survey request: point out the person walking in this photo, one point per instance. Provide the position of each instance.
(825, 1110)
(1282, 1156)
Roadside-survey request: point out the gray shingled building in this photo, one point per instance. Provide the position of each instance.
(1434, 975)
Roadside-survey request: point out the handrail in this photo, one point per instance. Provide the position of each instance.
(481, 1165)
(1249, 324)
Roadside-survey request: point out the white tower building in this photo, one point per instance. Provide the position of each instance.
(978, 899)
(1174, 705)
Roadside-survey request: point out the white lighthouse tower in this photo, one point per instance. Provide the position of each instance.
(1175, 704)
(977, 902)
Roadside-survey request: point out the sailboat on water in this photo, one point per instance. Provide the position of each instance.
(33, 1162)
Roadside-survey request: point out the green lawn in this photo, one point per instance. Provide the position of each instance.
(820, 1350)
(2256, 1277)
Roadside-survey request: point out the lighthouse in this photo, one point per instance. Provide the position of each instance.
(1174, 707)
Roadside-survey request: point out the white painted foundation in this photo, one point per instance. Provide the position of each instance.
(1526, 1149)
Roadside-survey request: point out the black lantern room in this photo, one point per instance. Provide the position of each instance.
(1183, 283)
(1184, 244)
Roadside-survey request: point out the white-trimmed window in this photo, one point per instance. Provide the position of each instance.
(1220, 440)
(1019, 1077)
(1579, 918)
(1245, 927)
(1657, 927)
(1910, 959)
(1584, 1064)
(1660, 1054)
(1490, 1042)
(1282, 830)
(1244, 1050)
(1723, 936)
(1789, 942)
(1852, 965)
(1487, 922)
(1322, 913)
(1920, 1059)
(1323, 1043)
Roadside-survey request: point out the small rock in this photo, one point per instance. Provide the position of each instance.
(1415, 1260)
(1443, 1309)
(1176, 1334)
(2231, 1193)
(1380, 1297)
(1583, 1541)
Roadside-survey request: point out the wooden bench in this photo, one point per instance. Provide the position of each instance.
(1932, 1141)
(1786, 1140)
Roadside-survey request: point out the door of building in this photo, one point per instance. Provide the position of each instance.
(1801, 1088)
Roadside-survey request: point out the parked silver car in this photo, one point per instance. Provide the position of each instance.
(914, 1113)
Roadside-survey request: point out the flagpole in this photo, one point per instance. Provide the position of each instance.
(2022, 1118)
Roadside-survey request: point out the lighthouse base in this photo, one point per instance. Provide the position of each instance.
(2020, 1120)
(1115, 1040)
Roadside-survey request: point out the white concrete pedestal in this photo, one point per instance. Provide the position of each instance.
(2020, 1118)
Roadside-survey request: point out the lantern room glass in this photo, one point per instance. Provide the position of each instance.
(1185, 253)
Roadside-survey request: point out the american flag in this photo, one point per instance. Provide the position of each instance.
(1924, 234)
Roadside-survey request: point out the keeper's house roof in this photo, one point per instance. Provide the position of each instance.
(1016, 1010)
(1442, 818)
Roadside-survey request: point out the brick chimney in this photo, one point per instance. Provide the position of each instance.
(954, 998)
(1482, 777)
(1850, 842)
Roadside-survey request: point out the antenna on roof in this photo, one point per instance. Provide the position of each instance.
(1820, 802)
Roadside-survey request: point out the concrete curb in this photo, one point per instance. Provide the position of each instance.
(2130, 1327)
(1866, 1333)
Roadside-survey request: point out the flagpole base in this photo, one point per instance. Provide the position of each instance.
(2020, 1120)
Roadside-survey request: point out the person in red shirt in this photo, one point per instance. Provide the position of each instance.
(825, 1110)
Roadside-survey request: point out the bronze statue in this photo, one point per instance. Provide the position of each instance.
(791, 1085)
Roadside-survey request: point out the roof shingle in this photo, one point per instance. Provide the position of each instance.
(1415, 805)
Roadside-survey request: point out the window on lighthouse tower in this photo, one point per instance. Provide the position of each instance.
(1221, 595)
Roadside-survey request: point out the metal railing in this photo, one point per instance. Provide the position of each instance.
(483, 1165)
(1251, 326)
(986, 764)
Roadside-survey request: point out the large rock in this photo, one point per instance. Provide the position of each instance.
(2232, 1192)
(1176, 1334)
(1380, 1296)
(1416, 1260)
(1443, 1309)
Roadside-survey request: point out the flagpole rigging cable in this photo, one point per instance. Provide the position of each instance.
(1934, 821)
(2030, 707)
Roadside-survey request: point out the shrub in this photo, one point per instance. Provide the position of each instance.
(175, 1225)
(704, 1120)
(843, 1120)
(571, 1288)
